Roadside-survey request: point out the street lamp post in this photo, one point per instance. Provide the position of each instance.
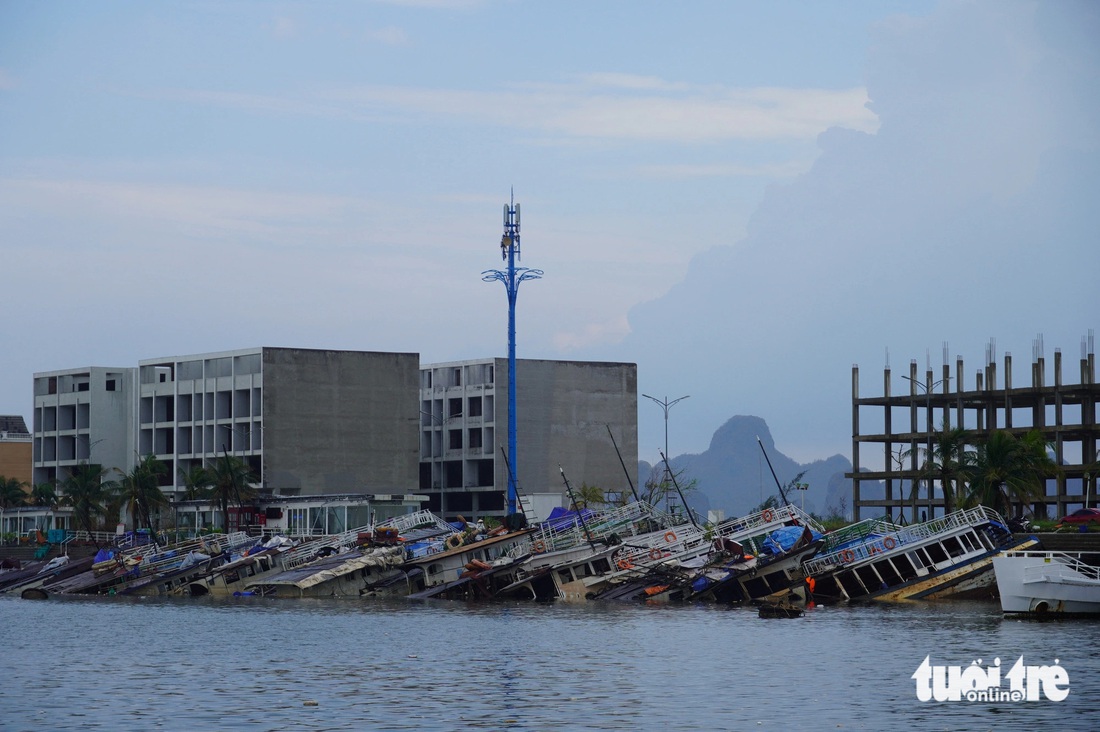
(666, 405)
(928, 386)
(802, 488)
(512, 277)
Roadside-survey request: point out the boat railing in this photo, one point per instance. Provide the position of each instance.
(763, 521)
(1059, 566)
(859, 531)
(689, 539)
(868, 543)
(408, 521)
(657, 546)
(145, 563)
(307, 551)
(623, 521)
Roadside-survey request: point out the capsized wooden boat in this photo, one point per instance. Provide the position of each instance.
(951, 556)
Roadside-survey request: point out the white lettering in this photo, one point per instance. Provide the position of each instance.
(983, 684)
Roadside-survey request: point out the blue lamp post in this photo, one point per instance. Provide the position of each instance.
(509, 250)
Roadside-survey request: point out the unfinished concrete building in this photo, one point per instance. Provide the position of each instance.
(890, 433)
(564, 410)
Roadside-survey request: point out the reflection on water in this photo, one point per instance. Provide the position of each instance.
(253, 663)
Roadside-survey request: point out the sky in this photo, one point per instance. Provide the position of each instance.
(743, 198)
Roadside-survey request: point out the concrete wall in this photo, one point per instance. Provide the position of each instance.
(83, 415)
(340, 421)
(563, 412)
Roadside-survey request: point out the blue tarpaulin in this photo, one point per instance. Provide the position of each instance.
(781, 540)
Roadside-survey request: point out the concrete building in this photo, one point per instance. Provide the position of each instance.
(82, 415)
(338, 423)
(891, 433)
(564, 410)
(15, 449)
(308, 422)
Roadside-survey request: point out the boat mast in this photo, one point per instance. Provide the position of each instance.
(777, 483)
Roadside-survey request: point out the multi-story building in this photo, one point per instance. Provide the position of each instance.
(15, 449)
(566, 414)
(330, 423)
(82, 415)
(308, 422)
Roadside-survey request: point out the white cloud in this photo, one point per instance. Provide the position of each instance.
(666, 114)
(634, 109)
(7, 81)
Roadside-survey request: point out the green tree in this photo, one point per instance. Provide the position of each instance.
(1010, 472)
(590, 496)
(230, 479)
(44, 494)
(12, 492)
(196, 483)
(139, 490)
(950, 463)
(88, 494)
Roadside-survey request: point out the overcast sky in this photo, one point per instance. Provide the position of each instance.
(743, 198)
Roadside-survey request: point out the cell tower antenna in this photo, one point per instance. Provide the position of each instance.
(511, 278)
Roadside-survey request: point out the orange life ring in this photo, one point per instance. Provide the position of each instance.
(625, 564)
(768, 515)
(847, 555)
(655, 554)
(540, 546)
(670, 536)
(889, 543)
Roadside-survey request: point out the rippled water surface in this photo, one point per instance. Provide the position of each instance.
(261, 664)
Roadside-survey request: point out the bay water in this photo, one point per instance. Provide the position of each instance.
(253, 663)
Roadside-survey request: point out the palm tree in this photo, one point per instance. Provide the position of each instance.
(1010, 471)
(12, 492)
(139, 490)
(44, 494)
(196, 483)
(88, 494)
(589, 496)
(230, 479)
(949, 462)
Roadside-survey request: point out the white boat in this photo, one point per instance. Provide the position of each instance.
(950, 556)
(1044, 583)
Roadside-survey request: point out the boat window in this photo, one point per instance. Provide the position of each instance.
(889, 574)
(936, 552)
(870, 578)
(851, 584)
(953, 547)
(905, 566)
